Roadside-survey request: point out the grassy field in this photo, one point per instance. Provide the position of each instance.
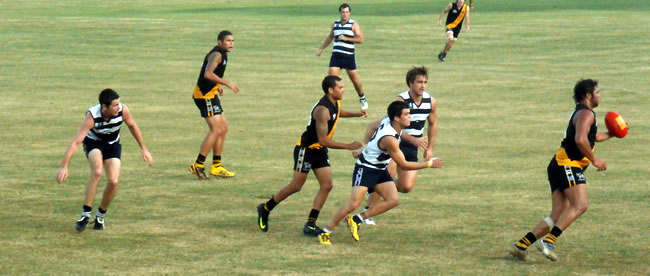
(504, 98)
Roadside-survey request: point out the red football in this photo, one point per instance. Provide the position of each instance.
(616, 125)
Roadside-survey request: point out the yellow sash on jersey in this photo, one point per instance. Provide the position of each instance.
(197, 94)
(330, 134)
(563, 160)
(458, 19)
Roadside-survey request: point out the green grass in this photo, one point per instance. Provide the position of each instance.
(504, 98)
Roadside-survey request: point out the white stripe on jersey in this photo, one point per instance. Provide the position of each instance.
(419, 114)
(372, 156)
(102, 128)
(340, 46)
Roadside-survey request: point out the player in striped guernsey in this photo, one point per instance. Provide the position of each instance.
(566, 173)
(208, 85)
(457, 13)
(345, 33)
(370, 173)
(310, 153)
(423, 112)
(100, 135)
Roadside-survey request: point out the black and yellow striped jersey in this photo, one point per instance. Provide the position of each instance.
(309, 138)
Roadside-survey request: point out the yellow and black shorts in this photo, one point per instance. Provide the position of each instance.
(306, 159)
(563, 177)
(209, 107)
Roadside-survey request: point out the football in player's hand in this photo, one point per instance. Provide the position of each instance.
(616, 125)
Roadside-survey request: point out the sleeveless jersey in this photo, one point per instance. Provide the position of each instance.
(105, 131)
(374, 157)
(419, 113)
(309, 138)
(207, 89)
(569, 154)
(340, 46)
(455, 16)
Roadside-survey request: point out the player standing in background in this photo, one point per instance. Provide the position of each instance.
(206, 99)
(457, 13)
(310, 153)
(345, 33)
(565, 173)
(100, 135)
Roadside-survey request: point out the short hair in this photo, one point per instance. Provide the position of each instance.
(415, 72)
(395, 109)
(343, 6)
(222, 35)
(107, 96)
(582, 88)
(329, 82)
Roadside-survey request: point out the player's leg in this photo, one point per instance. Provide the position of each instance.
(356, 199)
(388, 192)
(333, 71)
(207, 112)
(406, 180)
(217, 168)
(560, 205)
(112, 167)
(96, 170)
(264, 209)
(324, 177)
(448, 44)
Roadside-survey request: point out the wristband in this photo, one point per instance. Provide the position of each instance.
(430, 162)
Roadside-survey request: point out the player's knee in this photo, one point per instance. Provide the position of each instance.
(96, 173)
(326, 187)
(581, 207)
(393, 202)
(406, 188)
(112, 183)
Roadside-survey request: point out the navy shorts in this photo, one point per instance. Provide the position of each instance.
(369, 177)
(561, 178)
(306, 159)
(209, 107)
(409, 150)
(108, 150)
(343, 61)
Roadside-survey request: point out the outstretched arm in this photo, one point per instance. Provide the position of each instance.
(346, 114)
(135, 131)
(87, 124)
(327, 41)
(321, 115)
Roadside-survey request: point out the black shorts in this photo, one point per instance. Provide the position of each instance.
(305, 159)
(455, 30)
(343, 61)
(369, 177)
(209, 107)
(410, 151)
(563, 177)
(108, 150)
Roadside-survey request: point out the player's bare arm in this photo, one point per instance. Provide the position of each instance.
(213, 61)
(392, 146)
(321, 115)
(467, 16)
(583, 121)
(347, 114)
(87, 124)
(327, 41)
(444, 11)
(135, 131)
(420, 142)
(432, 129)
(358, 36)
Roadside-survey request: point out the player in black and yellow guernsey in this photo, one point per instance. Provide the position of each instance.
(310, 153)
(565, 173)
(206, 99)
(457, 13)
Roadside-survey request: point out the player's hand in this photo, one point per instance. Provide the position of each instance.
(600, 164)
(422, 143)
(364, 113)
(62, 175)
(428, 154)
(319, 52)
(220, 90)
(234, 88)
(341, 38)
(439, 22)
(468, 27)
(356, 154)
(355, 145)
(147, 157)
(436, 163)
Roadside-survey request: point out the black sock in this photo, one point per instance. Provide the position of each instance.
(101, 211)
(200, 159)
(313, 216)
(526, 241)
(216, 160)
(357, 219)
(87, 208)
(554, 235)
(270, 205)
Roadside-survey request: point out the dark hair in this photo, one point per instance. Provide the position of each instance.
(343, 6)
(329, 82)
(222, 35)
(395, 109)
(415, 72)
(107, 96)
(582, 88)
